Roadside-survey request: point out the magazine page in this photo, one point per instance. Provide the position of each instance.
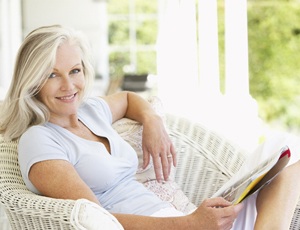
(242, 185)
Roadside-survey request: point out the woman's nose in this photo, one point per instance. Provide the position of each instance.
(67, 83)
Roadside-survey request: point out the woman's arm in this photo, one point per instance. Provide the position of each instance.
(156, 141)
(130, 105)
(59, 179)
(206, 216)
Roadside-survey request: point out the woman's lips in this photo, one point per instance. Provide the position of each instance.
(67, 98)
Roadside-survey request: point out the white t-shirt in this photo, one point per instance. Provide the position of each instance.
(111, 176)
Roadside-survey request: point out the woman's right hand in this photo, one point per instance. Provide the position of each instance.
(214, 214)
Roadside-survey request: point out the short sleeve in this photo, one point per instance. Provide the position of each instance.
(38, 144)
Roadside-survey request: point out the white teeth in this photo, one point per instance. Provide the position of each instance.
(67, 98)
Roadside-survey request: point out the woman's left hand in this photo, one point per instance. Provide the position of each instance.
(157, 143)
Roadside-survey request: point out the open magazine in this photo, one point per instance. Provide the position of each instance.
(237, 189)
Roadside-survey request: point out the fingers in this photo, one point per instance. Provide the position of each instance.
(216, 202)
(146, 158)
(167, 159)
(229, 214)
(158, 168)
(157, 144)
(162, 163)
(224, 207)
(162, 166)
(238, 207)
(217, 213)
(173, 153)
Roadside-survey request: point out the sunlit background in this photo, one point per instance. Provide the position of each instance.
(231, 64)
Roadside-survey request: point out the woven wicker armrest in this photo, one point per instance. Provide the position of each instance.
(26, 210)
(206, 160)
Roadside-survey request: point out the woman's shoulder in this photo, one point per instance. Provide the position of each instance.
(37, 133)
(94, 102)
(95, 107)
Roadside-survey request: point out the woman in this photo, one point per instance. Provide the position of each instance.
(69, 150)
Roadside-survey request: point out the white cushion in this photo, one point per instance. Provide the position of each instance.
(87, 215)
(131, 131)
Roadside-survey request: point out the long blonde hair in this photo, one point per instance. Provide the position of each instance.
(35, 61)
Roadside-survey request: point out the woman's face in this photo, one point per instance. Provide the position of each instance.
(64, 87)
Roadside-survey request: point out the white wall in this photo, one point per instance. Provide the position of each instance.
(10, 39)
(79, 14)
(19, 17)
(85, 15)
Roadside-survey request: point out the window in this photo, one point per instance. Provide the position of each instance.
(133, 26)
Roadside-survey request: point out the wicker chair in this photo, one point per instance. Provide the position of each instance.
(206, 161)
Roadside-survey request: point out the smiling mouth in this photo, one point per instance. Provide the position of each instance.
(67, 98)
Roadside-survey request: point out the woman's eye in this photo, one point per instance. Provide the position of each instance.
(52, 75)
(74, 71)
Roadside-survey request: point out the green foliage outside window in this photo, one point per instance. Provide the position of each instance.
(146, 63)
(118, 33)
(118, 6)
(274, 52)
(147, 32)
(117, 62)
(274, 55)
(132, 36)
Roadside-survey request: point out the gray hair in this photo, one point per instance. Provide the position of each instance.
(34, 63)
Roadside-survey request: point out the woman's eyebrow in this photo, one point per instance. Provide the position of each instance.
(78, 64)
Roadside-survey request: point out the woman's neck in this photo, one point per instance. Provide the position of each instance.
(68, 122)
